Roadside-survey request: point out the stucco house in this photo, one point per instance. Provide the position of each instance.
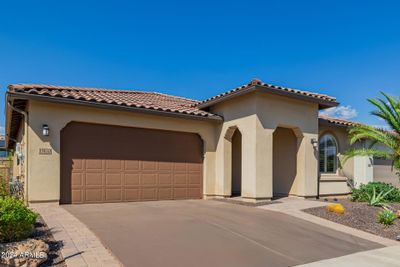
(257, 141)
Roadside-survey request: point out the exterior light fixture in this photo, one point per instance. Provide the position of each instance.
(314, 142)
(45, 130)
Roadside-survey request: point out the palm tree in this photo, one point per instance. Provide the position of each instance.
(388, 109)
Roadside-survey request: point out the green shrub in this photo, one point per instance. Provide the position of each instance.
(362, 193)
(16, 220)
(3, 187)
(387, 217)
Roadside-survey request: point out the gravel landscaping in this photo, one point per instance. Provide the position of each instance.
(360, 216)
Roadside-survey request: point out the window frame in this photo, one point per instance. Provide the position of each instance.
(326, 137)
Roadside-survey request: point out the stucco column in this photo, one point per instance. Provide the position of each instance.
(264, 163)
(307, 167)
(257, 163)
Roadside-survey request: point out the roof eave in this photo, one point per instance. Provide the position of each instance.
(332, 124)
(14, 95)
(322, 104)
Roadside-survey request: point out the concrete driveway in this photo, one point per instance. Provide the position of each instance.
(211, 233)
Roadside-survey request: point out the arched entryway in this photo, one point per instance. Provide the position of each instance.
(285, 147)
(236, 163)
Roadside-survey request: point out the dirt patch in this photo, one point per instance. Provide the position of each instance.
(360, 216)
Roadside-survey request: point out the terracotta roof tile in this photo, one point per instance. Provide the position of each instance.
(128, 98)
(255, 82)
(337, 121)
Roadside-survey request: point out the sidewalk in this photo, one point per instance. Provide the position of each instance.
(293, 206)
(383, 257)
(81, 247)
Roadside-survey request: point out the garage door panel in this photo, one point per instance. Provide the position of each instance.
(77, 179)
(180, 179)
(149, 194)
(194, 193)
(194, 179)
(149, 179)
(180, 193)
(165, 166)
(132, 194)
(180, 166)
(132, 165)
(149, 166)
(113, 165)
(113, 179)
(94, 164)
(94, 178)
(94, 195)
(113, 194)
(131, 178)
(102, 163)
(77, 195)
(78, 164)
(165, 193)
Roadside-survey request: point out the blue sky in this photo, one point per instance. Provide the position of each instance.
(348, 49)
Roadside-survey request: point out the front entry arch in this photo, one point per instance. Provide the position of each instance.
(285, 147)
(236, 163)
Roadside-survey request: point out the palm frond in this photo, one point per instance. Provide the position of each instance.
(353, 152)
(360, 132)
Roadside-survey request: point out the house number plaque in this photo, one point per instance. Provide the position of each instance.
(45, 151)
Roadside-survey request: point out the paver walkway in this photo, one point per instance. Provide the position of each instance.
(81, 247)
(293, 206)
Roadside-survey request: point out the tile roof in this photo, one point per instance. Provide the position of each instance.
(255, 82)
(337, 121)
(127, 98)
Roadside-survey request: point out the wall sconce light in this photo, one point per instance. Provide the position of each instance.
(314, 142)
(45, 130)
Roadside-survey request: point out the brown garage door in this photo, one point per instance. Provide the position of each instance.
(103, 163)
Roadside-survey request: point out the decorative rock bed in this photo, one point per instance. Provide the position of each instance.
(360, 216)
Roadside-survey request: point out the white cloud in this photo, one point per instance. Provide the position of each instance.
(343, 112)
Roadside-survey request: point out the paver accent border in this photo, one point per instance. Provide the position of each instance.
(81, 247)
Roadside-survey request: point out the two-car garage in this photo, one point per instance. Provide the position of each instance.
(104, 163)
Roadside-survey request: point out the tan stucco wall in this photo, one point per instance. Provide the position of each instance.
(44, 170)
(257, 115)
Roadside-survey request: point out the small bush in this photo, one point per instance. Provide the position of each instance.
(16, 220)
(365, 191)
(3, 187)
(386, 217)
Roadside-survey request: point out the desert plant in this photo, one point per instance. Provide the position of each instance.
(16, 220)
(388, 109)
(387, 217)
(378, 200)
(361, 193)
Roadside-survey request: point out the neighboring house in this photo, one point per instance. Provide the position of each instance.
(258, 141)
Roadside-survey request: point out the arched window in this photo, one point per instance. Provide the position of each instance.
(328, 151)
